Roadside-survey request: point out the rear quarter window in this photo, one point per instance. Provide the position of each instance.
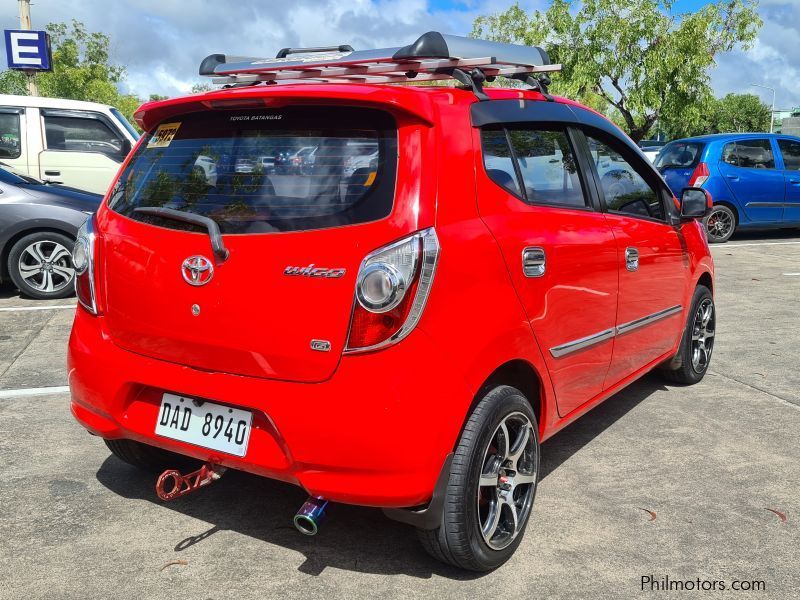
(261, 171)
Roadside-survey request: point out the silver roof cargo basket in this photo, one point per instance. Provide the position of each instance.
(433, 56)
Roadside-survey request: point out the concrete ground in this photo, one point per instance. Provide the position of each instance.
(711, 462)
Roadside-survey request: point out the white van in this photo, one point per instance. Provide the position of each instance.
(79, 144)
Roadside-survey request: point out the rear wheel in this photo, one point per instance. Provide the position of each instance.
(492, 484)
(697, 343)
(148, 458)
(40, 265)
(720, 224)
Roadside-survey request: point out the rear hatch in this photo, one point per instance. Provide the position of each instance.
(295, 238)
(677, 161)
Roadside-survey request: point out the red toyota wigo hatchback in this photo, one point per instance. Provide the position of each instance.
(388, 295)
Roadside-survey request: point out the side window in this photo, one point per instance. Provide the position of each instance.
(749, 154)
(79, 134)
(498, 160)
(625, 190)
(548, 167)
(546, 164)
(791, 154)
(10, 146)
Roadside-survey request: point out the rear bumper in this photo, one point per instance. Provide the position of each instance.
(376, 433)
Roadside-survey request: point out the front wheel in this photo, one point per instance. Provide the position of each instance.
(692, 361)
(40, 265)
(720, 223)
(492, 484)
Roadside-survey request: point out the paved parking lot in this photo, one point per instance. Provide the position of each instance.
(711, 462)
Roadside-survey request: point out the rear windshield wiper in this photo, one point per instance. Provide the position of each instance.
(184, 217)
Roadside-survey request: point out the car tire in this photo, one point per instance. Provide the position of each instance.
(149, 458)
(493, 448)
(697, 344)
(40, 265)
(720, 224)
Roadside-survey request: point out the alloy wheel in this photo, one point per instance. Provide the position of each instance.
(46, 266)
(507, 481)
(719, 224)
(703, 331)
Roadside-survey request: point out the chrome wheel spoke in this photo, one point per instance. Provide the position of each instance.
(65, 273)
(513, 521)
(28, 271)
(58, 253)
(490, 528)
(504, 444)
(47, 281)
(488, 480)
(524, 478)
(519, 447)
(35, 251)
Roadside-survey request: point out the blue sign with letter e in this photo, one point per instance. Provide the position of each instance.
(29, 50)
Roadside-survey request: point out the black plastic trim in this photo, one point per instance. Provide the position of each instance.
(428, 45)
(12, 110)
(284, 52)
(217, 245)
(429, 517)
(211, 62)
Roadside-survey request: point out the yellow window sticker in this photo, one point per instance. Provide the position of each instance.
(163, 135)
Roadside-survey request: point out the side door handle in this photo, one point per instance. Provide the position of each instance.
(733, 177)
(53, 173)
(632, 258)
(794, 181)
(534, 261)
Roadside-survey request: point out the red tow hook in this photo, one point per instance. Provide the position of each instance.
(186, 484)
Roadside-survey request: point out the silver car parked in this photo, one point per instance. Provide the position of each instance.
(38, 224)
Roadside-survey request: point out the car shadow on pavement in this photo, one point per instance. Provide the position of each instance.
(351, 538)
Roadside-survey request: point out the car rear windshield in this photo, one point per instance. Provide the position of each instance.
(260, 171)
(679, 155)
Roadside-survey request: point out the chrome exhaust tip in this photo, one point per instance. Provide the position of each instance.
(309, 517)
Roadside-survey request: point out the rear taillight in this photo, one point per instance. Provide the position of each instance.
(699, 175)
(391, 291)
(83, 257)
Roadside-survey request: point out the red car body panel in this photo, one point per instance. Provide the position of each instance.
(374, 428)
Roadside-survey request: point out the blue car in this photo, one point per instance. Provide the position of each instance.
(754, 179)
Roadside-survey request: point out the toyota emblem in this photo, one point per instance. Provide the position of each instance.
(197, 270)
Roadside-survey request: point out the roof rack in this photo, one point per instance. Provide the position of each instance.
(432, 56)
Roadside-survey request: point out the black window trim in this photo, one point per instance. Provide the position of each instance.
(510, 111)
(589, 196)
(642, 167)
(69, 113)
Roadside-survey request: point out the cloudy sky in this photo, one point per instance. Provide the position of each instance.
(161, 42)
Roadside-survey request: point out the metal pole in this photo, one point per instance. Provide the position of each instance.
(25, 23)
(772, 111)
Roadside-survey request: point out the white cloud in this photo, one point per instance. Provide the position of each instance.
(161, 42)
(774, 60)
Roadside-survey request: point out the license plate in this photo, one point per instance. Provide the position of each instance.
(205, 424)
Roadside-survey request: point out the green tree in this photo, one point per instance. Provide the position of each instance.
(738, 113)
(82, 70)
(732, 114)
(198, 88)
(645, 61)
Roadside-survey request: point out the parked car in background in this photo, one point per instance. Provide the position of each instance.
(38, 224)
(651, 148)
(79, 144)
(754, 179)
